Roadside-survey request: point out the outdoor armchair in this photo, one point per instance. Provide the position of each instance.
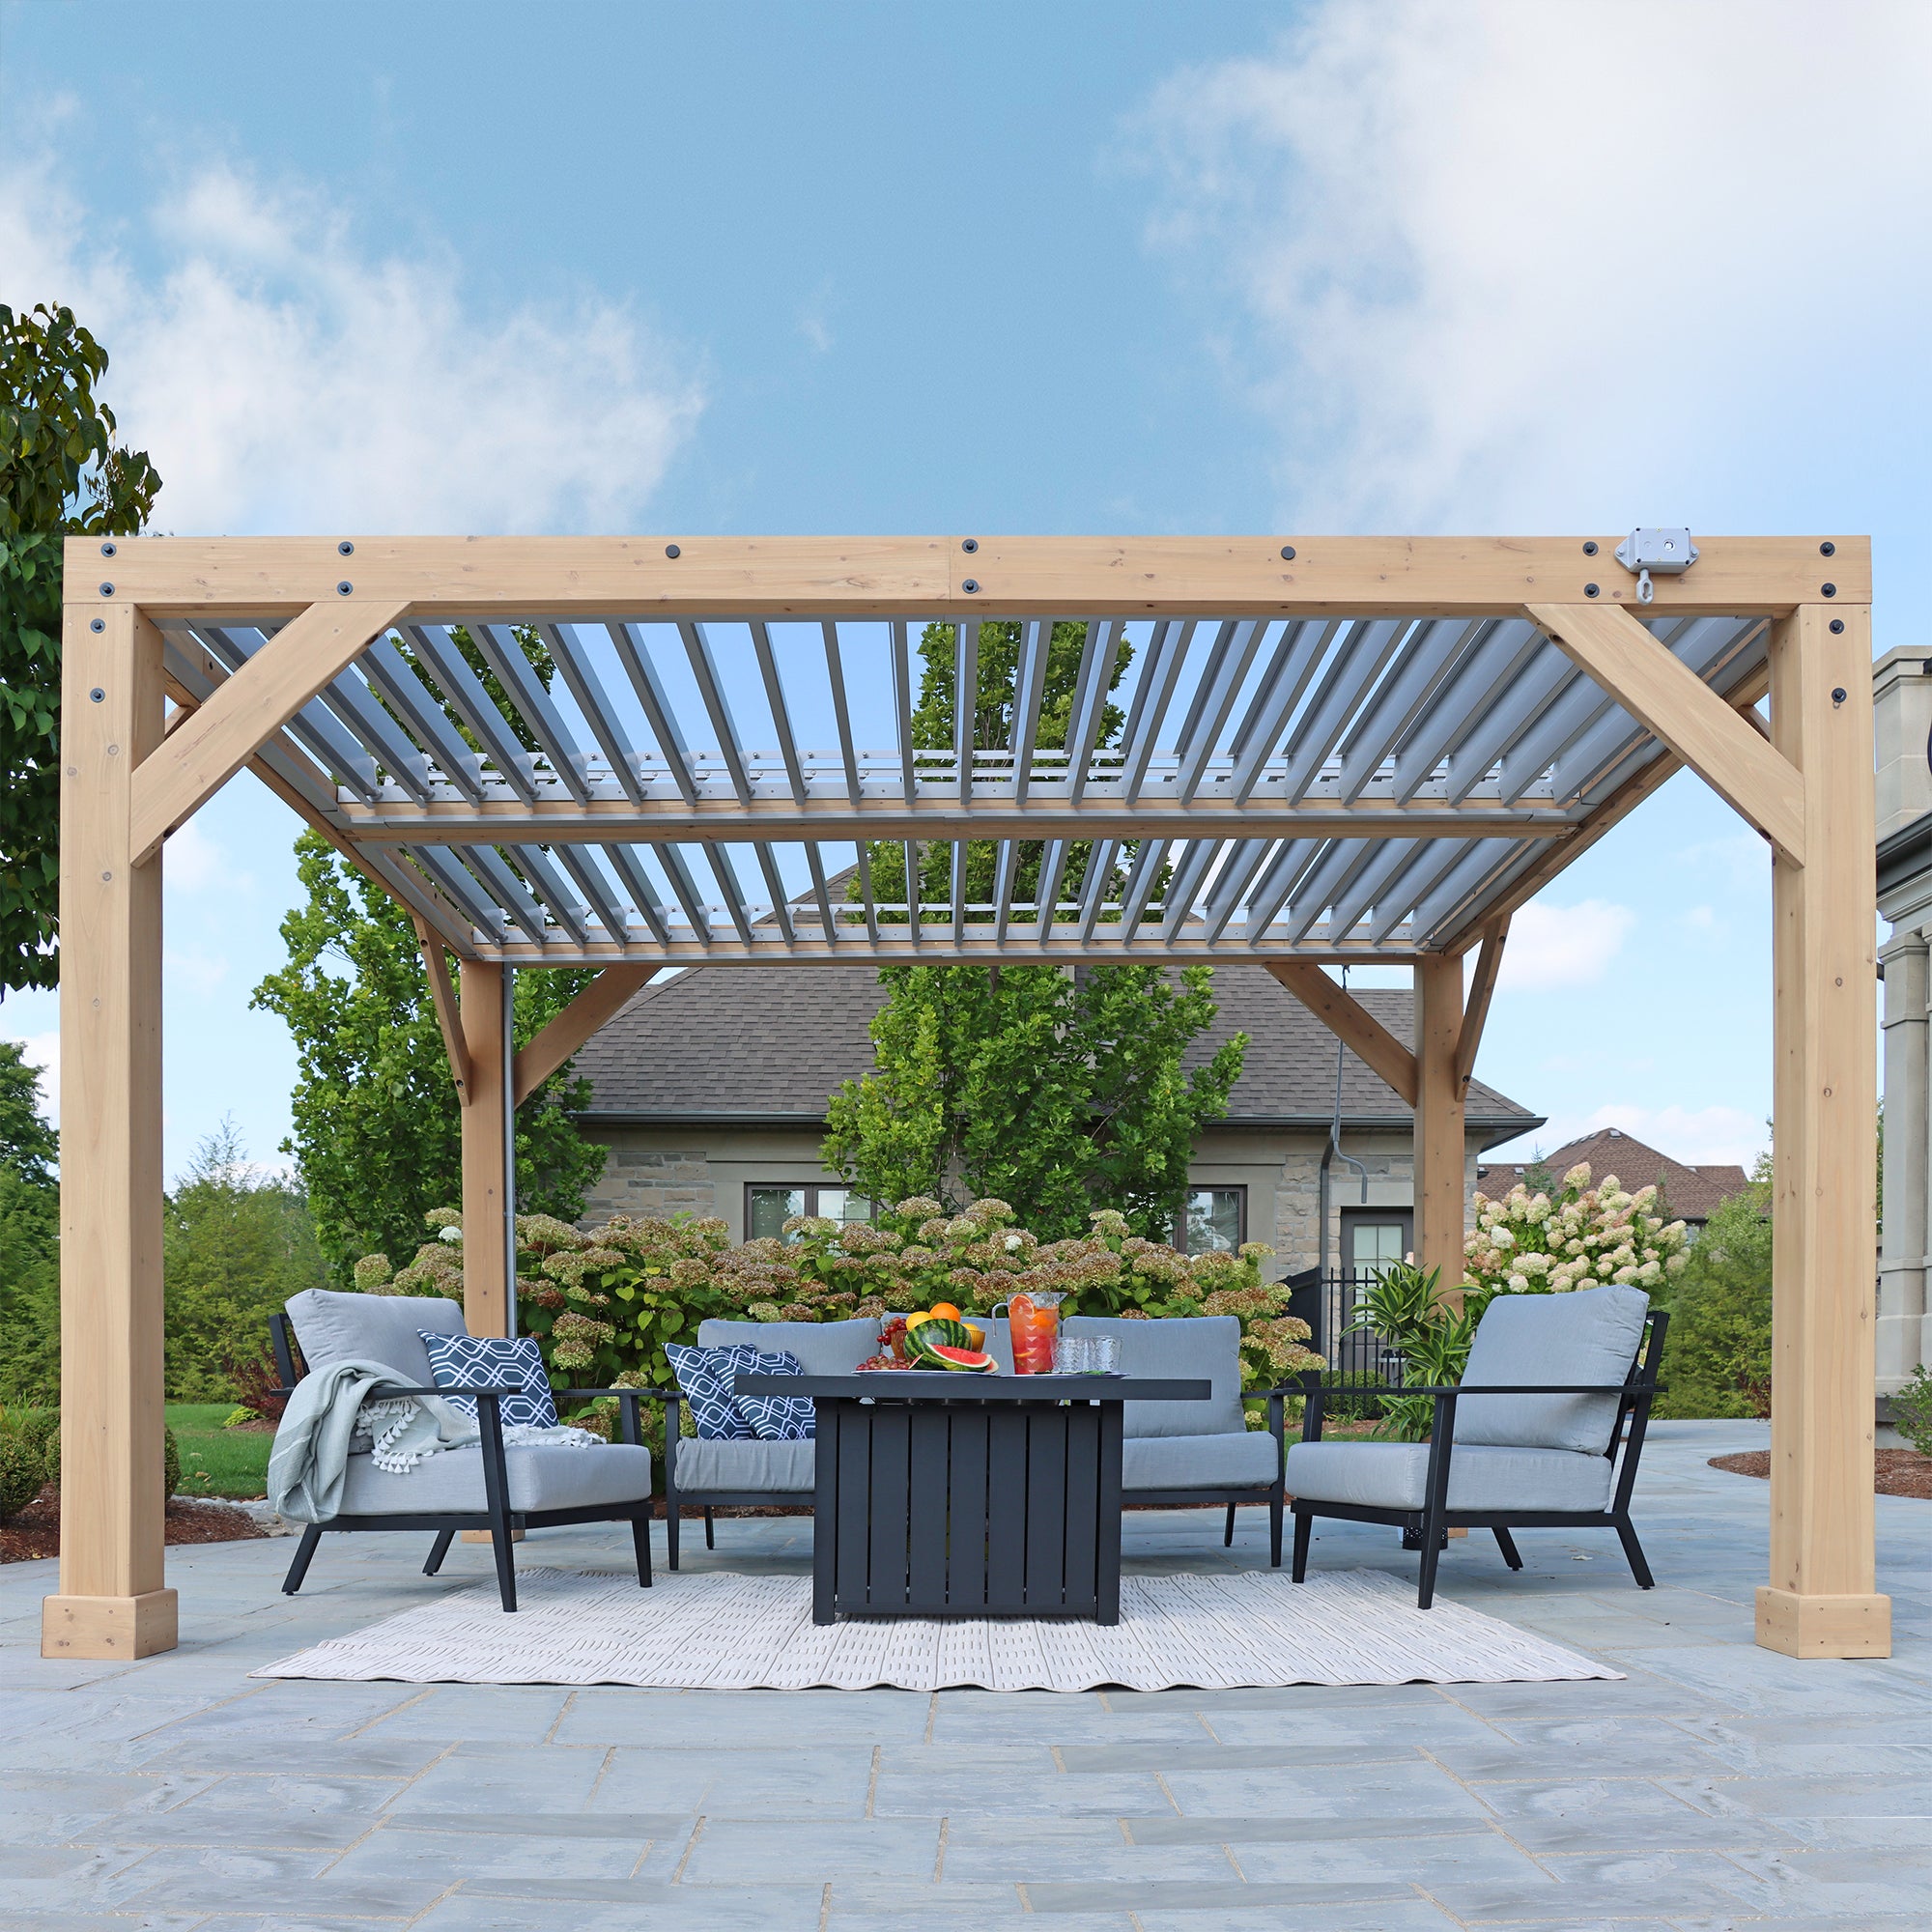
(1545, 1433)
(478, 1486)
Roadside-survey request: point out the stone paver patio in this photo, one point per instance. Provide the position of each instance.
(1719, 1786)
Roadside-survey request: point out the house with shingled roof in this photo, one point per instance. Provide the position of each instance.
(709, 1089)
(1692, 1194)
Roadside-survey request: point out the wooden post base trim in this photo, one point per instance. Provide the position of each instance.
(484, 1535)
(1805, 1626)
(120, 1628)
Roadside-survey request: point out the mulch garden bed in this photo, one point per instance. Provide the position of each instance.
(1899, 1472)
(36, 1531)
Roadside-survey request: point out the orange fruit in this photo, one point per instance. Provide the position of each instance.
(944, 1311)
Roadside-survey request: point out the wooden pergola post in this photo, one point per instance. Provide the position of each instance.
(1441, 1157)
(113, 1600)
(487, 1148)
(1821, 1600)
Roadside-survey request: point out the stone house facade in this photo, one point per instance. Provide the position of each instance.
(709, 1089)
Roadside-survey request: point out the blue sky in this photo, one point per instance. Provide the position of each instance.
(1342, 267)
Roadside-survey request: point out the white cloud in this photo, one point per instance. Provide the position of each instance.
(1506, 266)
(283, 377)
(188, 966)
(194, 862)
(1551, 947)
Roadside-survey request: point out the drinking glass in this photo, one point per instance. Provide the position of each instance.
(1103, 1356)
(1072, 1355)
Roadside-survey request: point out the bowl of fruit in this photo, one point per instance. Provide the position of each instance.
(936, 1338)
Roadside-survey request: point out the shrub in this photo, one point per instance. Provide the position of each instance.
(22, 1473)
(1716, 1353)
(1582, 1238)
(1911, 1409)
(603, 1304)
(171, 1465)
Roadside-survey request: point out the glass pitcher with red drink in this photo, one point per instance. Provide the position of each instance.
(1033, 1322)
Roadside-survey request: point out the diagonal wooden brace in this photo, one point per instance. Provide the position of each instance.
(196, 759)
(540, 1056)
(1667, 697)
(1343, 1015)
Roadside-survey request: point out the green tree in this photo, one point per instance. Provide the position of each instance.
(29, 1236)
(1716, 1352)
(378, 1137)
(234, 1245)
(62, 473)
(1055, 1092)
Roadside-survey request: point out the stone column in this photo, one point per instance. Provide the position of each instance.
(1907, 1145)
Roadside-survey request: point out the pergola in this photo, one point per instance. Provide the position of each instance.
(1330, 751)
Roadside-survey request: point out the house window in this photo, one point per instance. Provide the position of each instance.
(767, 1209)
(1371, 1237)
(1214, 1220)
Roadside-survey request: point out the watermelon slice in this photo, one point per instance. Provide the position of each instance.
(970, 1360)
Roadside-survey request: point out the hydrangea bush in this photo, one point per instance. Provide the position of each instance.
(1584, 1236)
(603, 1302)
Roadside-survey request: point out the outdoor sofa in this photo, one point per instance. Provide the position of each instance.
(480, 1487)
(1544, 1431)
(1174, 1452)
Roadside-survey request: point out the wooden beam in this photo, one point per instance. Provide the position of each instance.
(1475, 1015)
(1442, 1147)
(539, 1057)
(1668, 698)
(245, 578)
(485, 1152)
(1822, 1599)
(442, 997)
(113, 1600)
(253, 703)
(1345, 1017)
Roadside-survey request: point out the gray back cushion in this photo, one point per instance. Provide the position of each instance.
(822, 1347)
(1204, 1347)
(1589, 1336)
(335, 1328)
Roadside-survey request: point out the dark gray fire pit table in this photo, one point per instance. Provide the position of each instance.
(944, 1493)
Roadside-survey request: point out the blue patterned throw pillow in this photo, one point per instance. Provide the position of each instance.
(779, 1418)
(482, 1362)
(705, 1377)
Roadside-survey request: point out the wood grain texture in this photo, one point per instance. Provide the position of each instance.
(1825, 1100)
(1476, 1014)
(1442, 1198)
(1813, 1626)
(485, 1274)
(1668, 698)
(248, 708)
(442, 997)
(1345, 1017)
(110, 1092)
(926, 576)
(606, 996)
(117, 1629)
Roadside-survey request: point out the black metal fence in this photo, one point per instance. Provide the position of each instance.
(1359, 1360)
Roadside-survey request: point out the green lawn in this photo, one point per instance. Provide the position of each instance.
(219, 1462)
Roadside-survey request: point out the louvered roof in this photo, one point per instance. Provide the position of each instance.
(683, 785)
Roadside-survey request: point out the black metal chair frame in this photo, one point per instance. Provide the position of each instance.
(497, 1516)
(1426, 1527)
(1273, 1493)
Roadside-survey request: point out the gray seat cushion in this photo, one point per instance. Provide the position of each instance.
(1391, 1475)
(1591, 1335)
(776, 1468)
(822, 1347)
(540, 1479)
(337, 1327)
(1223, 1461)
(1203, 1347)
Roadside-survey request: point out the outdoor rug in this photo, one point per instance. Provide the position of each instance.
(721, 1632)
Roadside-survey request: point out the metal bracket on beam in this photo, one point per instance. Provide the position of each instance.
(1659, 552)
